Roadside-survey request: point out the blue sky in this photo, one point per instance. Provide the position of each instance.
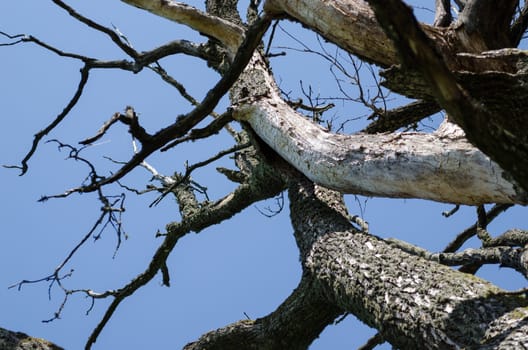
(247, 265)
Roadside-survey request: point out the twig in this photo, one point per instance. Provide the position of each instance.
(112, 34)
(449, 213)
(190, 169)
(184, 123)
(208, 215)
(472, 230)
(38, 136)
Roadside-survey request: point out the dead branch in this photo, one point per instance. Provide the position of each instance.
(189, 169)
(228, 33)
(261, 185)
(515, 258)
(183, 124)
(142, 60)
(94, 25)
(38, 136)
(510, 238)
(465, 235)
(404, 116)
(186, 123)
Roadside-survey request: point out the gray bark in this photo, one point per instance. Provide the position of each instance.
(10, 340)
(416, 304)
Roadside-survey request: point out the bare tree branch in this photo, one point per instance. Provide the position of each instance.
(516, 258)
(471, 231)
(109, 32)
(189, 169)
(185, 123)
(262, 184)
(38, 136)
(228, 33)
(142, 60)
(400, 117)
(416, 50)
(510, 238)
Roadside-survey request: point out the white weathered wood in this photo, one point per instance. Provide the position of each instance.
(224, 31)
(339, 21)
(441, 166)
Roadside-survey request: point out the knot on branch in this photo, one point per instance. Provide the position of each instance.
(129, 118)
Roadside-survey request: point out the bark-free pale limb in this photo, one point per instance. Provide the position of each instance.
(440, 166)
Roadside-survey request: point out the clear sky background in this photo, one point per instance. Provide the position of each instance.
(247, 265)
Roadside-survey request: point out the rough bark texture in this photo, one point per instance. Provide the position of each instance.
(486, 23)
(415, 304)
(10, 340)
(294, 325)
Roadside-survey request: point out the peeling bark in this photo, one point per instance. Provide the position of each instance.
(488, 129)
(441, 166)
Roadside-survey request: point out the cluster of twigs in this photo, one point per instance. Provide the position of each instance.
(194, 214)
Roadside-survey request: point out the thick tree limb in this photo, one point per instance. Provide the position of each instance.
(440, 166)
(350, 24)
(390, 290)
(228, 33)
(295, 324)
(503, 140)
(485, 24)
